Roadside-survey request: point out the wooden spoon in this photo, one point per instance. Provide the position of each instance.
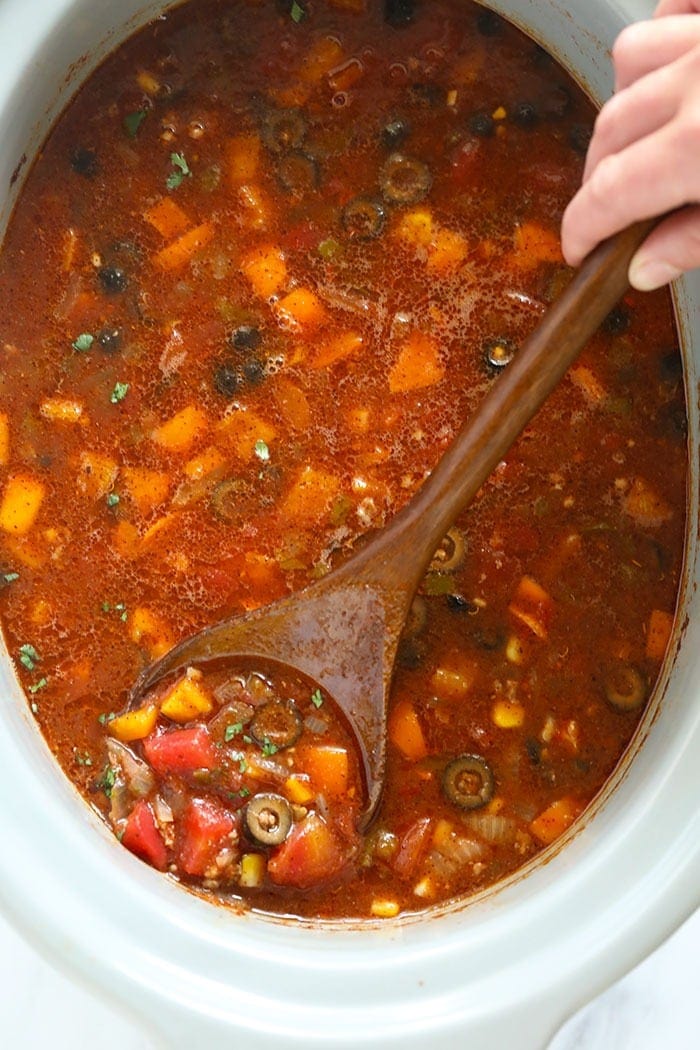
(343, 631)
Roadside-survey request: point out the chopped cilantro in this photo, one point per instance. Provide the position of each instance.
(28, 656)
(180, 172)
(133, 121)
(112, 499)
(232, 730)
(41, 684)
(107, 781)
(8, 577)
(244, 792)
(297, 12)
(83, 342)
(119, 393)
(104, 718)
(317, 698)
(242, 765)
(82, 758)
(268, 748)
(261, 450)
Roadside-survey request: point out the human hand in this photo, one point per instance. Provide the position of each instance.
(642, 157)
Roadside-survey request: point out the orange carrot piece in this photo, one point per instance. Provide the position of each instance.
(302, 308)
(338, 348)
(418, 364)
(147, 488)
(405, 731)
(535, 244)
(554, 820)
(327, 766)
(658, 633)
(167, 218)
(181, 251)
(266, 269)
(242, 158)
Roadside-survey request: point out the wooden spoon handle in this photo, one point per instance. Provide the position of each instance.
(412, 537)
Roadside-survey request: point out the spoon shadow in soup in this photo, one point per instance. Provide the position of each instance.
(343, 631)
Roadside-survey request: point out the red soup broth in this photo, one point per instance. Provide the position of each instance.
(268, 260)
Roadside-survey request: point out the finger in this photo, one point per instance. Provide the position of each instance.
(647, 178)
(645, 46)
(676, 7)
(637, 111)
(670, 250)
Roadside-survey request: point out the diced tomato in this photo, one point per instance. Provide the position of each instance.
(205, 829)
(412, 847)
(143, 838)
(311, 854)
(182, 751)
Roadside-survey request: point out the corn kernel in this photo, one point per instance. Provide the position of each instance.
(384, 909)
(515, 650)
(441, 834)
(508, 714)
(499, 113)
(147, 82)
(253, 868)
(424, 888)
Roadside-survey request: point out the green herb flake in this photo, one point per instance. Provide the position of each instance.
(104, 718)
(119, 393)
(107, 781)
(180, 172)
(83, 342)
(82, 758)
(242, 765)
(244, 793)
(28, 656)
(41, 684)
(297, 12)
(268, 748)
(8, 577)
(232, 730)
(133, 121)
(317, 698)
(261, 450)
(112, 499)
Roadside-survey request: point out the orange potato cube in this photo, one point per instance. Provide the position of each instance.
(338, 348)
(179, 432)
(266, 269)
(243, 429)
(447, 252)
(327, 766)
(207, 462)
(148, 629)
(535, 244)
(310, 496)
(533, 606)
(302, 308)
(147, 488)
(134, 725)
(418, 364)
(187, 699)
(242, 158)
(167, 218)
(20, 504)
(181, 251)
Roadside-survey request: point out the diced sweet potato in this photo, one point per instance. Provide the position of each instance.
(167, 217)
(535, 244)
(180, 251)
(179, 432)
(150, 631)
(97, 474)
(266, 270)
(62, 410)
(405, 731)
(147, 488)
(301, 308)
(327, 765)
(310, 496)
(134, 725)
(418, 364)
(554, 820)
(243, 429)
(242, 158)
(186, 700)
(21, 502)
(336, 349)
(532, 606)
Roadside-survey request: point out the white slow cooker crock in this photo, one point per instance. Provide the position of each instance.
(499, 973)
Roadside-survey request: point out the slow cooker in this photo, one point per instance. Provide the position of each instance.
(502, 970)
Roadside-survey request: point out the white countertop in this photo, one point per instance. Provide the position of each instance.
(656, 1005)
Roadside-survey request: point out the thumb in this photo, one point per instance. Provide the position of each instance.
(669, 251)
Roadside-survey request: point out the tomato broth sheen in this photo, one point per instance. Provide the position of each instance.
(268, 260)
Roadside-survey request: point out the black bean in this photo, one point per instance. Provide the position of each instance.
(525, 115)
(113, 279)
(84, 162)
(617, 321)
(226, 380)
(110, 339)
(253, 371)
(458, 603)
(245, 337)
(395, 133)
(399, 12)
(482, 124)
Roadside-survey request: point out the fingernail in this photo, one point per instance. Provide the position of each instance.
(647, 274)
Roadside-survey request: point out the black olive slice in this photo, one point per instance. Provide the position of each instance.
(277, 724)
(284, 129)
(113, 279)
(298, 172)
(404, 180)
(498, 353)
(626, 688)
(268, 818)
(467, 782)
(363, 218)
(450, 554)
